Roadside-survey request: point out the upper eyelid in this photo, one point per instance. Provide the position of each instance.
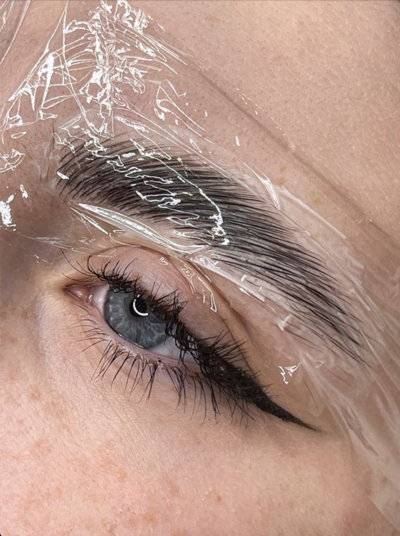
(254, 230)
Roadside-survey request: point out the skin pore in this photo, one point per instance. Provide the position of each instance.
(78, 457)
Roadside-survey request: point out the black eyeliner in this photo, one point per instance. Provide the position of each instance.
(219, 374)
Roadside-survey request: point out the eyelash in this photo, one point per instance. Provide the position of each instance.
(218, 373)
(209, 354)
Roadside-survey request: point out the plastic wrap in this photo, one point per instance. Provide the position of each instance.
(107, 104)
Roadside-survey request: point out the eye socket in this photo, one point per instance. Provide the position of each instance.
(152, 324)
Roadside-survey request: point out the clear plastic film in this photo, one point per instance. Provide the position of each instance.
(125, 147)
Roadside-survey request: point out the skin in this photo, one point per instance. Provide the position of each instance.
(80, 458)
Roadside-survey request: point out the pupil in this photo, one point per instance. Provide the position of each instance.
(139, 307)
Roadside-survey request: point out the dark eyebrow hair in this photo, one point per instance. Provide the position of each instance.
(212, 209)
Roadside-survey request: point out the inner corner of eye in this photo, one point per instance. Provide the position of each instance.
(78, 291)
(90, 295)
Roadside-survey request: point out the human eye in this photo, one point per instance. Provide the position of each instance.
(149, 328)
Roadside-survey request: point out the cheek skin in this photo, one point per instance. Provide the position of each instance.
(78, 458)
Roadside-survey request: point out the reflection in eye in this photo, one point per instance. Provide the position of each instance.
(213, 366)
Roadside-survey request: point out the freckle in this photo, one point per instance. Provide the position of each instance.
(41, 447)
(218, 499)
(111, 529)
(57, 493)
(8, 340)
(122, 476)
(174, 489)
(24, 314)
(90, 526)
(283, 169)
(55, 408)
(35, 394)
(150, 518)
(84, 464)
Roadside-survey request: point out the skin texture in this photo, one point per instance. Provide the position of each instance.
(80, 458)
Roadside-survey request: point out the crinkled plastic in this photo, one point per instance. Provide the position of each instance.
(108, 107)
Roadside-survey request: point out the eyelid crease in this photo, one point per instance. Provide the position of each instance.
(212, 209)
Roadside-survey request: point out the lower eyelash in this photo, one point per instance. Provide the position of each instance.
(220, 377)
(143, 370)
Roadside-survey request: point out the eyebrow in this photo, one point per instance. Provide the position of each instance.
(213, 209)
